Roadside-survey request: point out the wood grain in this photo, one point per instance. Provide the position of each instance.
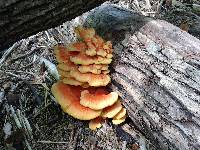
(156, 70)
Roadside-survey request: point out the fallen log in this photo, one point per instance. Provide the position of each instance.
(156, 70)
(22, 18)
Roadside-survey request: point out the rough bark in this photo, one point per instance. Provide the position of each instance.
(22, 18)
(156, 70)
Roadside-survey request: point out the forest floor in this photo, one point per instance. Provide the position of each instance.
(29, 116)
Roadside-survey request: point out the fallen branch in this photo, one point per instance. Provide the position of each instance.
(7, 52)
(156, 71)
(24, 18)
(21, 123)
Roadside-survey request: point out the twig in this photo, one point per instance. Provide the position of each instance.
(148, 5)
(41, 83)
(47, 34)
(75, 139)
(135, 3)
(8, 51)
(30, 64)
(124, 145)
(36, 59)
(14, 75)
(23, 55)
(19, 123)
(151, 12)
(39, 111)
(19, 71)
(159, 6)
(45, 97)
(51, 142)
(27, 144)
(25, 123)
(53, 98)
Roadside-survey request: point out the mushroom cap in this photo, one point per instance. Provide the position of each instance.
(120, 114)
(98, 41)
(95, 123)
(63, 73)
(107, 46)
(71, 81)
(67, 66)
(106, 71)
(96, 46)
(97, 100)
(119, 121)
(104, 67)
(96, 69)
(84, 59)
(109, 56)
(89, 68)
(77, 46)
(111, 111)
(92, 79)
(62, 54)
(69, 99)
(91, 51)
(102, 60)
(82, 77)
(101, 52)
(85, 33)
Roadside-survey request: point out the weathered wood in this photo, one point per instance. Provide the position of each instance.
(22, 18)
(156, 70)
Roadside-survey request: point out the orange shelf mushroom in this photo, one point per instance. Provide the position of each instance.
(83, 59)
(72, 81)
(69, 99)
(92, 79)
(67, 66)
(63, 73)
(84, 73)
(120, 114)
(95, 123)
(97, 100)
(119, 117)
(85, 33)
(94, 68)
(111, 111)
(119, 121)
(91, 51)
(62, 54)
(78, 47)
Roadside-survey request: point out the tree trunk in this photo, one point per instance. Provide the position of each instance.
(156, 70)
(22, 18)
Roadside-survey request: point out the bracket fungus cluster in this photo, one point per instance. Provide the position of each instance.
(84, 75)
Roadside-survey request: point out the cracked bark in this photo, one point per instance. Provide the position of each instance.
(156, 70)
(22, 18)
